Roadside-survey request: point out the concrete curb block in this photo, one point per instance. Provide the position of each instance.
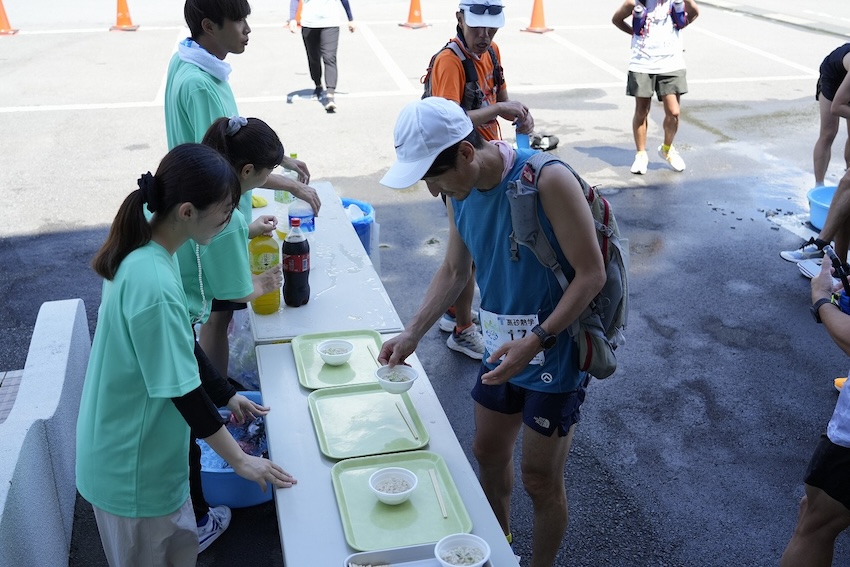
(38, 440)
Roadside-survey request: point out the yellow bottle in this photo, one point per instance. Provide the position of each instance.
(264, 252)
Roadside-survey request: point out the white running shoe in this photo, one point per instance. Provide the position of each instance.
(809, 250)
(218, 518)
(641, 162)
(447, 322)
(673, 158)
(470, 342)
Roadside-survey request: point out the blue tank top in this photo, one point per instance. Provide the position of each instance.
(517, 287)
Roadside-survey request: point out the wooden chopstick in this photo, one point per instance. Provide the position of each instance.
(438, 491)
(406, 420)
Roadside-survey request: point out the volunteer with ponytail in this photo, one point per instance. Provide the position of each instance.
(142, 392)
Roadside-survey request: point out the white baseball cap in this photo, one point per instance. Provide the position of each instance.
(423, 129)
(483, 13)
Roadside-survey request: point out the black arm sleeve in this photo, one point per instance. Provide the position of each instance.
(200, 413)
(216, 386)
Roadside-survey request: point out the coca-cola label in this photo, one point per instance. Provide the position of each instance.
(296, 262)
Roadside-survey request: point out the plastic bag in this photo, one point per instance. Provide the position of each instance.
(242, 364)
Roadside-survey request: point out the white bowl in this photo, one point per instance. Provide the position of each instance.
(455, 541)
(392, 475)
(400, 380)
(340, 351)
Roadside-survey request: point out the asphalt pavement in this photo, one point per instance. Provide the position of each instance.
(692, 454)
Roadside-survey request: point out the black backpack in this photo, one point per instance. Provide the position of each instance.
(473, 96)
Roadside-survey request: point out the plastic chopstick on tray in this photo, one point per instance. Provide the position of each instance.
(438, 491)
(407, 420)
(374, 356)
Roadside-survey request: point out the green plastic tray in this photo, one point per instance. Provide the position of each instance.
(313, 373)
(355, 421)
(370, 524)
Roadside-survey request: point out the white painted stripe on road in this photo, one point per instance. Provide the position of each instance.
(527, 89)
(386, 59)
(765, 54)
(95, 30)
(789, 19)
(613, 71)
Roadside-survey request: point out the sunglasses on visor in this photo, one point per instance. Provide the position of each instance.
(479, 10)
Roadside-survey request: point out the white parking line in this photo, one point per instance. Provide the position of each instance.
(387, 60)
(755, 50)
(613, 71)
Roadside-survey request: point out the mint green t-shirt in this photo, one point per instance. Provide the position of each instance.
(225, 269)
(131, 440)
(194, 99)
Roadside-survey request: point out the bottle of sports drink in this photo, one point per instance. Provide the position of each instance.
(302, 210)
(264, 253)
(296, 266)
(638, 19)
(680, 17)
(280, 195)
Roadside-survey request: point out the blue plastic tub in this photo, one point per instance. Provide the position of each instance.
(224, 486)
(363, 225)
(819, 200)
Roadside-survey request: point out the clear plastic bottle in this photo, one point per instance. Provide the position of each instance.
(264, 253)
(280, 195)
(296, 266)
(301, 210)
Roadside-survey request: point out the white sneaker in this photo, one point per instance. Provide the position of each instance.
(218, 518)
(470, 342)
(673, 158)
(447, 322)
(809, 250)
(640, 163)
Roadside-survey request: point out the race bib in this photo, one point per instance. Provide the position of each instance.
(499, 329)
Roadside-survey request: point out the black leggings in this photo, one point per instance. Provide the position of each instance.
(220, 391)
(321, 45)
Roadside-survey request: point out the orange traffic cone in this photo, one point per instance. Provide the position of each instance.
(122, 20)
(414, 17)
(5, 28)
(538, 21)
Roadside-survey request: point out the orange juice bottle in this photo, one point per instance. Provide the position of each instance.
(264, 252)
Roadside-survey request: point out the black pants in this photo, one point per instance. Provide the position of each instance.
(321, 45)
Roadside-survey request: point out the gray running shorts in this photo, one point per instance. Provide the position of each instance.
(642, 85)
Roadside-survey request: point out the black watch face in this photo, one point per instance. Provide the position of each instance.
(549, 341)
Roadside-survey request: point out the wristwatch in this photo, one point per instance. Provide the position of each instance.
(547, 340)
(816, 308)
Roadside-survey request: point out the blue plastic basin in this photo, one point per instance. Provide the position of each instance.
(224, 486)
(819, 200)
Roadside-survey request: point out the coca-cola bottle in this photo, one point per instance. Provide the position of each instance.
(296, 266)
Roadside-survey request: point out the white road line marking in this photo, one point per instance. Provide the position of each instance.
(765, 54)
(386, 59)
(524, 89)
(613, 71)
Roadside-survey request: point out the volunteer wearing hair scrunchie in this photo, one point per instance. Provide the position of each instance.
(217, 279)
(142, 391)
